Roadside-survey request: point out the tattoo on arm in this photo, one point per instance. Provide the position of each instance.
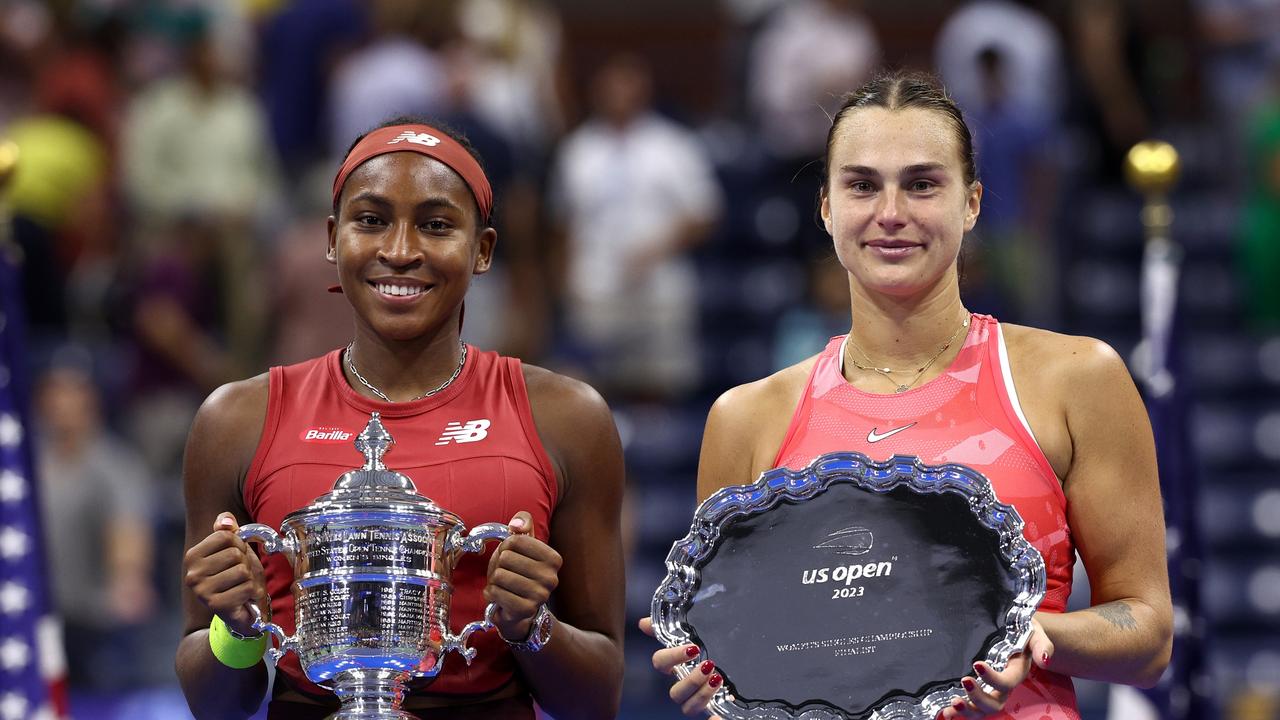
(1117, 613)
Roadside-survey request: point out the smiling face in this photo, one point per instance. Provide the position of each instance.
(406, 241)
(896, 203)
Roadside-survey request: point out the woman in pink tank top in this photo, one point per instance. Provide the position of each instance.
(490, 439)
(1055, 422)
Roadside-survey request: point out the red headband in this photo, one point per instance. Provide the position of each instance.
(428, 141)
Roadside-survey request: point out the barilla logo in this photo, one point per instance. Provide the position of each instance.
(325, 435)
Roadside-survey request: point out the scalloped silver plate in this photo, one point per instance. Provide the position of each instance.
(676, 595)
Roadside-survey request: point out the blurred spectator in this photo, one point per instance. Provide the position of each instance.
(634, 193)
(181, 354)
(808, 55)
(80, 81)
(1260, 229)
(161, 31)
(63, 168)
(515, 77)
(306, 320)
(97, 523)
(26, 27)
(1243, 41)
(396, 73)
(1003, 62)
(300, 45)
(196, 145)
(747, 12)
(510, 301)
(1030, 50)
(805, 329)
(1014, 237)
(1108, 55)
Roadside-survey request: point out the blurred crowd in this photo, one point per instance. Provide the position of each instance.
(655, 168)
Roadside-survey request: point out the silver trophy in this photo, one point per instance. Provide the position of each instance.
(372, 562)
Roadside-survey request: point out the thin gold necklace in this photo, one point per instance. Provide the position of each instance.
(456, 371)
(888, 372)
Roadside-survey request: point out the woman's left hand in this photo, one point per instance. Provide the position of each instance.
(523, 571)
(979, 703)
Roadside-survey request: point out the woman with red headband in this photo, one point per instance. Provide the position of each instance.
(484, 436)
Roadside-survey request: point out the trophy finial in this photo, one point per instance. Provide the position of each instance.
(373, 442)
(1152, 167)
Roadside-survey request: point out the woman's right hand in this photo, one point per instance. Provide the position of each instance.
(694, 691)
(224, 573)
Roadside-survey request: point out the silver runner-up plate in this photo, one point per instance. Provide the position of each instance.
(850, 590)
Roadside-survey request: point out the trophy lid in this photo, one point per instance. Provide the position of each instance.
(375, 487)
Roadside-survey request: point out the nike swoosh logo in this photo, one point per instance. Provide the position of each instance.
(874, 436)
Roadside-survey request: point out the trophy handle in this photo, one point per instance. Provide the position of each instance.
(271, 540)
(459, 642)
(284, 642)
(474, 542)
(272, 543)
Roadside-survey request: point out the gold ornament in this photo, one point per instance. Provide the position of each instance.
(1151, 167)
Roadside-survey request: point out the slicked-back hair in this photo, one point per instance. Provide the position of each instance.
(898, 90)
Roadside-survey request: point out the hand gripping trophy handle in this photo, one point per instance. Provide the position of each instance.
(474, 542)
(272, 543)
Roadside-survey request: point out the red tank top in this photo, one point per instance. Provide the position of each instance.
(968, 415)
(472, 449)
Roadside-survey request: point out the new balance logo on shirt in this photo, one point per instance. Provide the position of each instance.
(471, 431)
(415, 138)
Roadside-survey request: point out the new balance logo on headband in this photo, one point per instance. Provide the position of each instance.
(416, 138)
(472, 431)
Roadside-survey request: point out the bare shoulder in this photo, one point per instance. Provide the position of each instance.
(764, 401)
(547, 388)
(575, 426)
(235, 405)
(227, 428)
(220, 447)
(746, 427)
(1054, 359)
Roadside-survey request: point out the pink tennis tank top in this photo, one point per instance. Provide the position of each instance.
(472, 448)
(968, 415)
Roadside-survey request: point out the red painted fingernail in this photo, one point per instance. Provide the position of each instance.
(967, 683)
(691, 652)
(715, 680)
(706, 667)
(1044, 658)
(957, 704)
(981, 670)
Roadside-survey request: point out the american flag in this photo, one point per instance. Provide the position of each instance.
(32, 667)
